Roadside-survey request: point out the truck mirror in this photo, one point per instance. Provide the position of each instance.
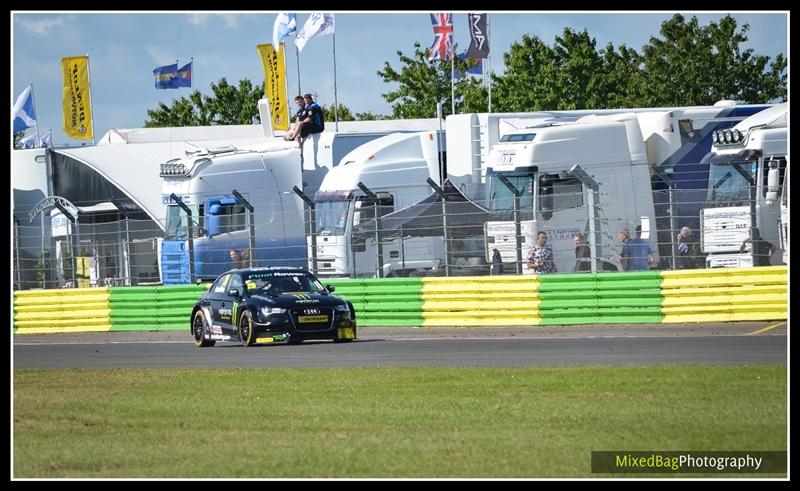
(773, 184)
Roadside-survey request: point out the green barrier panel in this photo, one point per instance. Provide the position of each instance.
(555, 295)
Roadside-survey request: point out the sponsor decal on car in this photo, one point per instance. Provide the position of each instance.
(264, 340)
(312, 318)
(225, 312)
(216, 329)
(220, 337)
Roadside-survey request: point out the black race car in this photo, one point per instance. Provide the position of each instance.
(268, 305)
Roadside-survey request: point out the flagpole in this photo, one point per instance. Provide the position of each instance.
(191, 74)
(91, 101)
(33, 101)
(452, 80)
(297, 52)
(489, 59)
(177, 74)
(335, 94)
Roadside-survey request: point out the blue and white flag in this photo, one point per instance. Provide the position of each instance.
(476, 70)
(30, 141)
(285, 24)
(23, 114)
(318, 24)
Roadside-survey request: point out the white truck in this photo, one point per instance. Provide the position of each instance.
(264, 176)
(394, 170)
(398, 168)
(748, 187)
(620, 153)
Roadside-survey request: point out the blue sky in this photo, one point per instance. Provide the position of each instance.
(124, 48)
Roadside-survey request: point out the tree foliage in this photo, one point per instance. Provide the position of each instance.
(227, 105)
(695, 65)
(423, 83)
(688, 64)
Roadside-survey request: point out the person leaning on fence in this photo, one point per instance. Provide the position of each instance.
(540, 257)
(583, 255)
(762, 250)
(636, 255)
(300, 115)
(241, 259)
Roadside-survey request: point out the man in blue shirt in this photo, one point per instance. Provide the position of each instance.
(294, 133)
(636, 253)
(313, 122)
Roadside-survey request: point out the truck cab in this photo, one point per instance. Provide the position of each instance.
(747, 188)
(394, 168)
(539, 162)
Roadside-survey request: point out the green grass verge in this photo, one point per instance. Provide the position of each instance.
(384, 422)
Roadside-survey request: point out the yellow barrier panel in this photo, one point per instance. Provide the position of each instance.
(725, 294)
(480, 301)
(62, 310)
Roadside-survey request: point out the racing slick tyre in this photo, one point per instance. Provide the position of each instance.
(246, 330)
(199, 329)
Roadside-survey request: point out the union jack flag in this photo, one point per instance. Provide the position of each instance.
(442, 48)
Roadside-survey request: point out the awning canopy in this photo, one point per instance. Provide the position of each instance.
(464, 218)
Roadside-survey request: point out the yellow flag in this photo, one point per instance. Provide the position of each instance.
(77, 99)
(275, 84)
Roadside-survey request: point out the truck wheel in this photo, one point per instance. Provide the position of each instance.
(246, 331)
(199, 330)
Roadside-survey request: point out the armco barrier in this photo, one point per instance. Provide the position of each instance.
(63, 310)
(727, 294)
(600, 298)
(480, 301)
(383, 302)
(704, 295)
(153, 308)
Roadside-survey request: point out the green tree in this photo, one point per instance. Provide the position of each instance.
(17, 137)
(695, 65)
(228, 105)
(344, 114)
(423, 83)
(572, 74)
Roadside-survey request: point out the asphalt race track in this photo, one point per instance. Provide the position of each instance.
(739, 343)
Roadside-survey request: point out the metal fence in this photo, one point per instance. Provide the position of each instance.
(423, 240)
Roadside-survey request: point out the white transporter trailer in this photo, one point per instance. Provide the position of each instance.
(748, 187)
(670, 142)
(551, 167)
(264, 176)
(394, 170)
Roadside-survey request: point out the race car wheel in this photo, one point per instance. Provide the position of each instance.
(246, 330)
(199, 330)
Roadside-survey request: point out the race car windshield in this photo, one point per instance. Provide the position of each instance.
(279, 283)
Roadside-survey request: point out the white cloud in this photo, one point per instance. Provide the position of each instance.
(159, 55)
(231, 20)
(41, 26)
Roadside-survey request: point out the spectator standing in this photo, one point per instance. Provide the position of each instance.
(761, 249)
(540, 257)
(583, 255)
(688, 251)
(636, 255)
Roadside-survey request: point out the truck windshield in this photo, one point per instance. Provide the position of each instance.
(727, 186)
(176, 228)
(501, 198)
(517, 137)
(332, 217)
